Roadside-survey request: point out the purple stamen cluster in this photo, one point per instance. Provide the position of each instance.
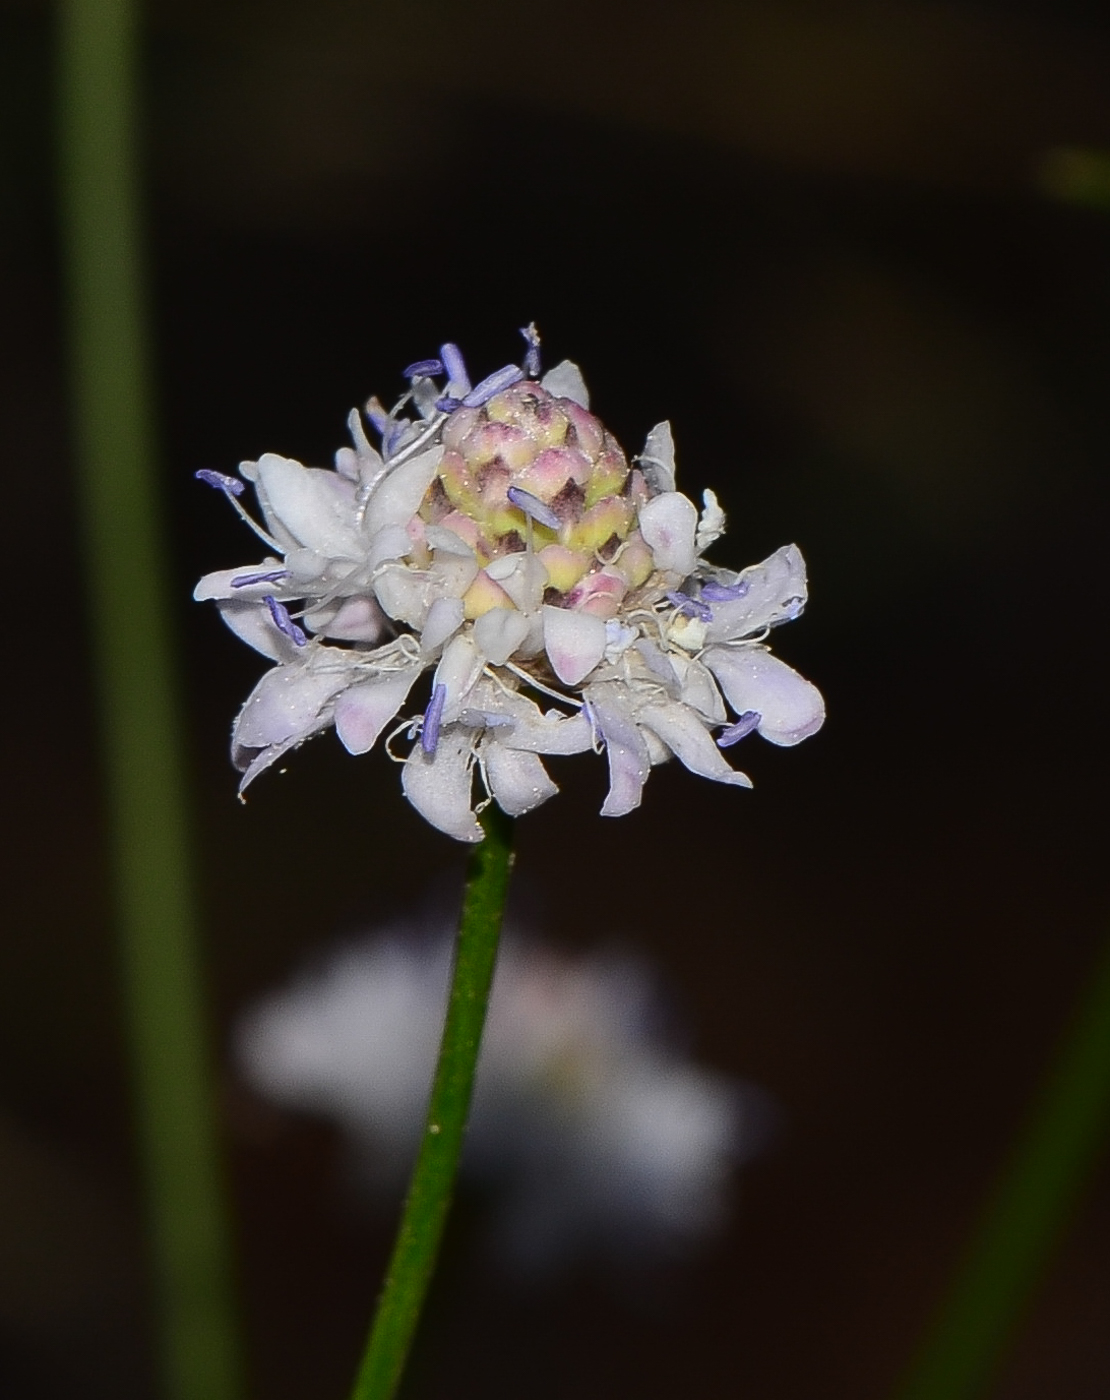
(230, 484)
(284, 623)
(429, 734)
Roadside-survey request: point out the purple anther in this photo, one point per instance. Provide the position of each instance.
(455, 365)
(735, 732)
(724, 593)
(532, 354)
(690, 607)
(533, 507)
(249, 580)
(429, 734)
(424, 368)
(284, 623)
(447, 404)
(492, 384)
(231, 484)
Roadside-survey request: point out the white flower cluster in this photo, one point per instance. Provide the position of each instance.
(500, 538)
(594, 1131)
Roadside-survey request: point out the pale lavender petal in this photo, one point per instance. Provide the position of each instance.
(491, 385)
(439, 786)
(252, 623)
(362, 711)
(776, 592)
(459, 670)
(398, 496)
(222, 583)
(685, 734)
(565, 382)
(550, 733)
(518, 780)
(445, 617)
(315, 507)
(657, 459)
(499, 632)
(286, 704)
(251, 763)
(699, 690)
(668, 524)
(575, 643)
(790, 707)
(629, 760)
(359, 619)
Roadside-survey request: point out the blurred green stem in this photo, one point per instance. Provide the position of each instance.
(433, 1180)
(113, 433)
(1027, 1214)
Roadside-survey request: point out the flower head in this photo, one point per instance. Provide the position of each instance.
(594, 1129)
(559, 594)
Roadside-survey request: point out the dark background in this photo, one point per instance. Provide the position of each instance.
(832, 244)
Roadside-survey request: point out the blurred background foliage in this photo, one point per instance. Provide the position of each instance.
(859, 256)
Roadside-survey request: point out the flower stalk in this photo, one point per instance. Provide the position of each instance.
(140, 730)
(424, 1215)
(1029, 1210)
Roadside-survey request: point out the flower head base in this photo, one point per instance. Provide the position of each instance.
(501, 539)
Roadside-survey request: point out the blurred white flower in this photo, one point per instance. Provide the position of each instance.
(595, 1130)
(500, 539)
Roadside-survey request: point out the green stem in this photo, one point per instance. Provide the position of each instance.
(429, 1197)
(1025, 1218)
(137, 691)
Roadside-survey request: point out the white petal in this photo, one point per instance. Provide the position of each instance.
(518, 780)
(711, 522)
(267, 757)
(404, 594)
(218, 584)
(447, 541)
(575, 643)
(565, 382)
(776, 593)
(363, 710)
(253, 624)
(699, 691)
(657, 459)
(391, 542)
(669, 524)
(499, 632)
(452, 574)
(355, 620)
(285, 704)
(438, 785)
(445, 617)
(690, 742)
(523, 578)
(398, 496)
(629, 760)
(316, 507)
(459, 668)
(791, 707)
